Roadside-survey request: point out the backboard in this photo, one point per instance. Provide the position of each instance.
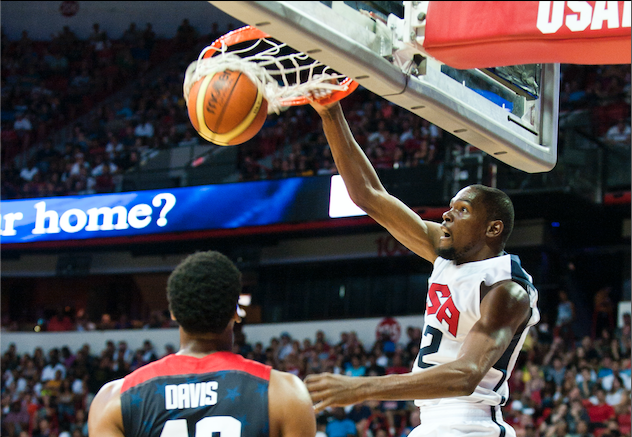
(511, 113)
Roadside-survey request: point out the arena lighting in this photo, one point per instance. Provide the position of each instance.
(340, 204)
(245, 300)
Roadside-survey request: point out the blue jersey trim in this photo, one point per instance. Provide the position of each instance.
(503, 431)
(504, 372)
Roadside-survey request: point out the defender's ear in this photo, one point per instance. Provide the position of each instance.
(239, 314)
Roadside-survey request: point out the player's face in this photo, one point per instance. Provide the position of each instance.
(464, 226)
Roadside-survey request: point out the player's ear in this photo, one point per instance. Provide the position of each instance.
(495, 228)
(239, 314)
(172, 316)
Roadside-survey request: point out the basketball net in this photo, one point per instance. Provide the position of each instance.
(283, 75)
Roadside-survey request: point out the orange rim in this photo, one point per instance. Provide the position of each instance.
(248, 33)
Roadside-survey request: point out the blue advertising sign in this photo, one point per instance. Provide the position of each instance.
(225, 206)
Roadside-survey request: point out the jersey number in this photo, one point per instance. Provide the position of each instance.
(226, 426)
(431, 348)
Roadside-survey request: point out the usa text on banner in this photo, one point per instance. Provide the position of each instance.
(483, 34)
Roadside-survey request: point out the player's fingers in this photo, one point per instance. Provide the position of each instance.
(314, 381)
(321, 406)
(312, 378)
(316, 393)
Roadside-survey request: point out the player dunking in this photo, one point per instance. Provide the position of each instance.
(480, 303)
(204, 389)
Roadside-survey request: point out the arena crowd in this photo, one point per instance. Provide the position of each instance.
(561, 386)
(48, 85)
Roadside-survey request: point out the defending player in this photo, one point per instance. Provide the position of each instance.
(204, 388)
(480, 302)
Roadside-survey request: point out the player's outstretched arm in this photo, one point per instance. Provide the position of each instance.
(503, 311)
(290, 407)
(366, 190)
(105, 418)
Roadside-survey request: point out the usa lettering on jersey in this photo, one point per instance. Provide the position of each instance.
(190, 395)
(440, 303)
(552, 15)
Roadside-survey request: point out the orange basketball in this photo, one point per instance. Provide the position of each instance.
(226, 108)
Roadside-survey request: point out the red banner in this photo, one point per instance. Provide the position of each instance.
(481, 34)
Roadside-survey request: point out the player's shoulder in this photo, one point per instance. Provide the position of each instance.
(105, 410)
(285, 380)
(289, 387)
(112, 389)
(291, 408)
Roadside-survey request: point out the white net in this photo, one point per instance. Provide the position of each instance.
(283, 75)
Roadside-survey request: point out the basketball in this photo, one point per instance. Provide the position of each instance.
(227, 108)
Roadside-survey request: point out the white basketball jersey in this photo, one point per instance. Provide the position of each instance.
(453, 306)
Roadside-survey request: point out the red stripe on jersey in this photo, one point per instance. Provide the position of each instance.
(173, 365)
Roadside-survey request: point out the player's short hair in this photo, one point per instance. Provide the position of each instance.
(498, 206)
(203, 291)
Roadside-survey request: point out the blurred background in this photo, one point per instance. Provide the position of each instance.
(92, 104)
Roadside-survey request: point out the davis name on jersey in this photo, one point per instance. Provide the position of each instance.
(191, 395)
(452, 309)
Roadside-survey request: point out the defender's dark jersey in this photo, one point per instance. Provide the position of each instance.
(182, 396)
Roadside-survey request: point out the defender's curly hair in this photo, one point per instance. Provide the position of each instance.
(203, 291)
(499, 207)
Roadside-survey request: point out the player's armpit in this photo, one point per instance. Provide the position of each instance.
(105, 418)
(290, 407)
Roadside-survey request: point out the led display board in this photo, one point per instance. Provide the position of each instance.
(129, 214)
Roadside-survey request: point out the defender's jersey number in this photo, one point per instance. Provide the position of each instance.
(226, 426)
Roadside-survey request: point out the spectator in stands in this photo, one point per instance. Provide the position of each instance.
(285, 348)
(149, 354)
(619, 134)
(131, 36)
(29, 170)
(355, 367)
(104, 182)
(46, 156)
(123, 352)
(189, 139)
(144, 128)
(397, 366)
(616, 393)
(23, 128)
(82, 321)
(123, 322)
(339, 425)
(106, 322)
(186, 35)
(113, 147)
(149, 37)
(599, 410)
(565, 317)
(53, 366)
(16, 421)
(60, 322)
